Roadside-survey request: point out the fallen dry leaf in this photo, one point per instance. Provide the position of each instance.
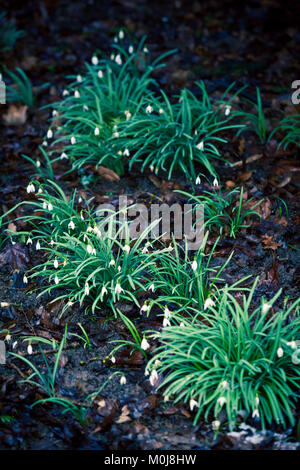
(124, 417)
(15, 255)
(269, 243)
(15, 116)
(107, 174)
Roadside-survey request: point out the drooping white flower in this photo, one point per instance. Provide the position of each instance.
(145, 49)
(71, 225)
(144, 344)
(85, 107)
(149, 109)
(111, 263)
(127, 114)
(55, 264)
(38, 245)
(152, 287)
(65, 93)
(113, 359)
(200, 146)
(227, 110)
(30, 188)
(123, 380)
(97, 131)
(255, 414)
(216, 424)
(112, 56)
(153, 377)
(126, 248)
(215, 182)
(52, 242)
(76, 94)
(121, 34)
(73, 140)
(49, 134)
(221, 401)
(29, 349)
(292, 344)
(89, 229)
(209, 303)
(56, 280)
(44, 205)
(14, 344)
(115, 39)
(145, 250)
(167, 313)
(126, 153)
(225, 384)
(182, 325)
(116, 134)
(54, 113)
(64, 156)
(130, 49)
(266, 307)
(166, 398)
(193, 403)
(118, 59)
(145, 308)
(7, 338)
(100, 74)
(95, 60)
(89, 249)
(86, 289)
(50, 207)
(256, 400)
(70, 303)
(119, 269)
(29, 241)
(194, 265)
(38, 164)
(166, 322)
(198, 180)
(118, 288)
(79, 78)
(160, 110)
(279, 352)
(103, 292)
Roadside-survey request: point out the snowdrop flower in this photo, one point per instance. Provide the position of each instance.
(29, 241)
(130, 49)
(200, 146)
(118, 288)
(121, 34)
(166, 322)
(225, 384)
(14, 344)
(95, 60)
(146, 50)
(38, 245)
(86, 289)
(89, 229)
(151, 288)
(89, 249)
(56, 280)
(70, 303)
(119, 269)
(115, 39)
(112, 56)
(145, 250)
(52, 242)
(100, 74)
(216, 424)
(292, 344)
(127, 114)
(54, 113)
(111, 263)
(256, 400)
(182, 325)
(44, 143)
(146, 373)
(73, 140)
(255, 414)
(79, 78)
(118, 59)
(209, 303)
(97, 131)
(194, 265)
(30, 188)
(126, 248)
(7, 338)
(113, 359)
(166, 398)
(126, 153)
(50, 207)
(153, 377)
(29, 349)
(198, 180)
(103, 292)
(76, 94)
(71, 225)
(65, 93)
(116, 134)
(85, 107)
(149, 109)
(266, 307)
(193, 403)
(40, 191)
(227, 110)
(38, 164)
(44, 205)
(222, 401)
(279, 352)
(215, 182)
(145, 308)
(64, 156)
(144, 344)
(167, 313)
(123, 380)
(49, 134)
(55, 264)
(94, 251)
(160, 110)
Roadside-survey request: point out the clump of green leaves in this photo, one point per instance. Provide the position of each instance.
(21, 89)
(255, 122)
(233, 358)
(289, 128)
(8, 33)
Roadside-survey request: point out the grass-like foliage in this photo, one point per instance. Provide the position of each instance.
(255, 122)
(8, 33)
(289, 130)
(233, 358)
(226, 212)
(21, 89)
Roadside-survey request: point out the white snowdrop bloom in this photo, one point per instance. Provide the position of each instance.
(255, 414)
(55, 264)
(44, 205)
(160, 110)
(25, 280)
(14, 344)
(145, 250)
(121, 34)
(76, 94)
(145, 308)
(153, 377)
(85, 107)
(221, 401)
(149, 109)
(115, 39)
(193, 403)
(194, 265)
(146, 50)
(209, 303)
(70, 303)
(118, 59)
(71, 225)
(50, 207)
(29, 349)
(126, 153)
(103, 291)
(182, 325)
(56, 280)
(200, 146)
(65, 93)
(65, 262)
(198, 180)
(151, 288)
(112, 56)
(89, 229)
(96, 230)
(266, 307)
(152, 168)
(166, 322)
(49, 134)
(119, 269)
(44, 143)
(279, 352)
(116, 134)
(29, 241)
(100, 74)
(95, 60)
(38, 245)
(89, 249)
(146, 373)
(7, 338)
(118, 288)
(216, 424)
(94, 251)
(167, 313)
(120, 152)
(130, 49)
(64, 156)
(30, 188)
(166, 398)
(52, 242)
(123, 380)
(112, 263)
(86, 289)
(257, 400)
(144, 344)
(227, 110)
(97, 131)
(292, 344)
(115, 127)
(128, 115)
(215, 182)
(79, 78)
(113, 359)
(40, 191)
(54, 113)
(126, 248)
(225, 384)
(73, 140)
(38, 164)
